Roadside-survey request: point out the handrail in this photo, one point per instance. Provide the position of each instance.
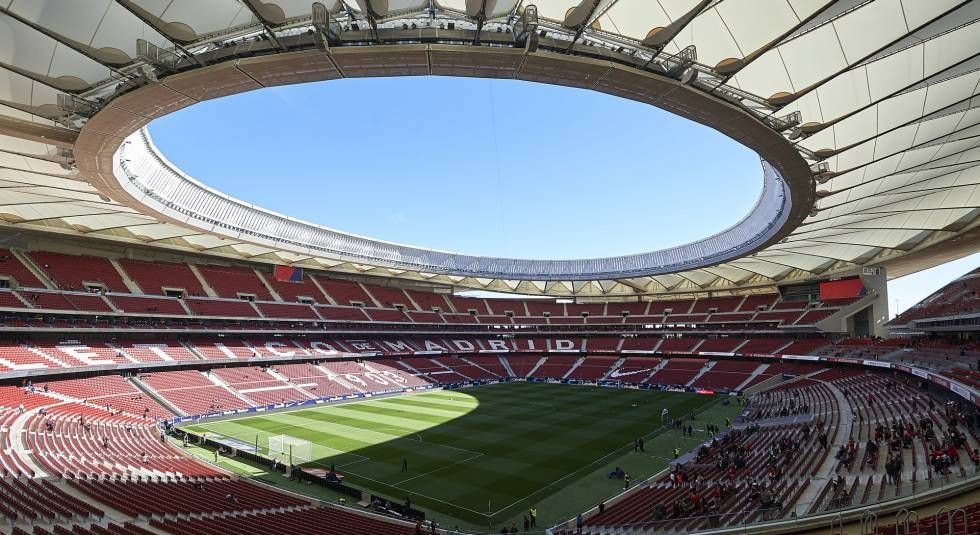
(902, 526)
(939, 512)
(869, 520)
(837, 519)
(909, 515)
(951, 518)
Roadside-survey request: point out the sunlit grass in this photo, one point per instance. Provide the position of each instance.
(484, 454)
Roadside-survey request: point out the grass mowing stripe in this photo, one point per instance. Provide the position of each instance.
(508, 442)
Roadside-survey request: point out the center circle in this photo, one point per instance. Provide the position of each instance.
(483, 167)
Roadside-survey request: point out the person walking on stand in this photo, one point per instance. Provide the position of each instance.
(626, 481)
(533, 512)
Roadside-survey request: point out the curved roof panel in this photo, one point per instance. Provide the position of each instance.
(878, 98)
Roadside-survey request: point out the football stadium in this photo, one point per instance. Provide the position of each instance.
(186, 349)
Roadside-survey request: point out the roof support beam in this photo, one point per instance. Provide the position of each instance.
(477, 9)
(374, 10)
(255, 7)
(783, 100)
(636, 287)
(126, 226)
(154, 23)
(729, 69)
(940, 76)
(109, 61)
(53, 83)
(42, 158)
(580, 17)
(21, 129)
(659, 37)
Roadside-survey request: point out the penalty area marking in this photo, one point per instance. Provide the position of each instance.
(360, 458)
(416, 493)
(461, 461)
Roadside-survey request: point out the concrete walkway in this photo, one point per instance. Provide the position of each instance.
(826, 470)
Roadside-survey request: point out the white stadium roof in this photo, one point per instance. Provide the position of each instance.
(865, 114)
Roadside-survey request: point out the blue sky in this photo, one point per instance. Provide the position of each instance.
(497, 167)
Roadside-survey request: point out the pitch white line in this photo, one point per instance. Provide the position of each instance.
(361, 460)
(478, 455)
(397, 437)
(419, 494)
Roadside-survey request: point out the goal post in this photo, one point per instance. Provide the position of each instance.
(290, 449)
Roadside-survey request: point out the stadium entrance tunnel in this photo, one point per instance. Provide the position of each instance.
(480, 455)
(402, 169)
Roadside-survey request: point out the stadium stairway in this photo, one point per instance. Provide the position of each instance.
(127, 280)
(339, 379)
(272, 291)
(327, 297)
(616, 365)
(537, 365)
(450, 369)
(193, 350)
(18, 428)
(704, 369)
(471, 363)
(155, 396)
(828, 467)
(218, 381)
(411, 369)
(33, 268)
(457, 371)
(205, 285)
(506, 365)
(755, 373)
(283, 378)
(738, 348)
(784, 383)
(578, 362)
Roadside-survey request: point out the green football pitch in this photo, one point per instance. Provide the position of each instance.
(484, 455)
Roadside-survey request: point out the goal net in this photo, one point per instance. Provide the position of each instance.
(290, 449)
